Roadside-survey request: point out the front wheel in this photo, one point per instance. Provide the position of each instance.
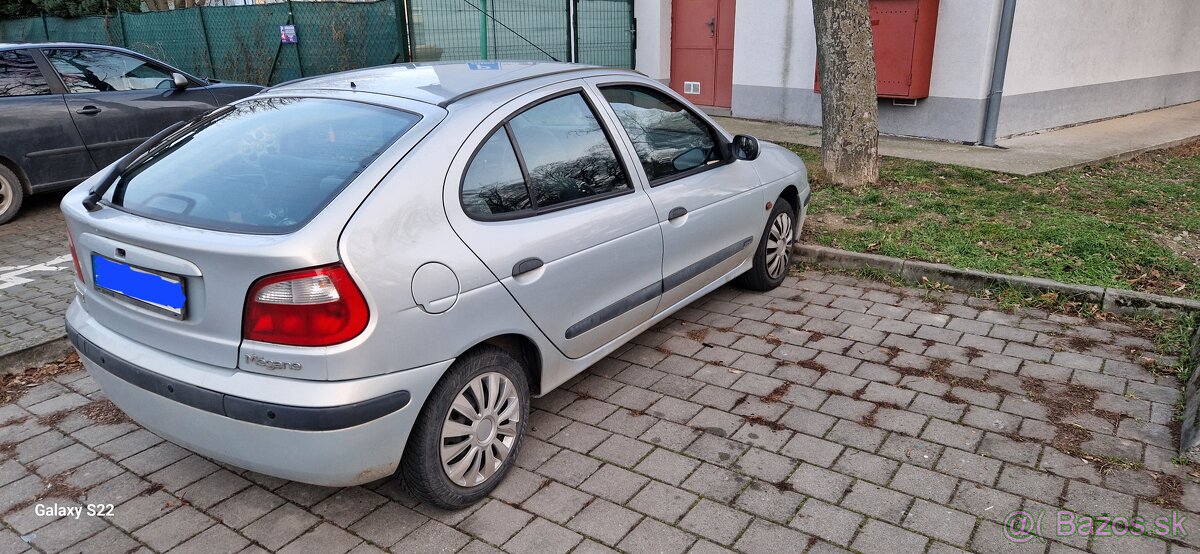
(773, 257)
(11, 195)
(468, 433)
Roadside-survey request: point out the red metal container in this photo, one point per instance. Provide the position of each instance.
(903, 32)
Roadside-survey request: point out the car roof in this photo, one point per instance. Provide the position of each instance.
(440, 83)
(24, 45)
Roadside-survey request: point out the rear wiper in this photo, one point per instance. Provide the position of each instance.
(91, 201)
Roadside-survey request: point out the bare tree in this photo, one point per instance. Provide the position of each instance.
(849, 110)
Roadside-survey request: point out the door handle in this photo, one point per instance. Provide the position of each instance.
(88, 110)
(677, 213)
(712, 27)
(526, 265)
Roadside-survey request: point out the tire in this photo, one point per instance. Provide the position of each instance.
(12, 194)
(422, 467)
(769, 270)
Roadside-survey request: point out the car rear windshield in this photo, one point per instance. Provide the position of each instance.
(268, 166)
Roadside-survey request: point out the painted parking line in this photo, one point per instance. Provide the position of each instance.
(16, 275)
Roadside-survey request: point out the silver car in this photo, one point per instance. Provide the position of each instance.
(371, 272)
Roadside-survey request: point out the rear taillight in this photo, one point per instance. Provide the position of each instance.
(320, 306)
(75, 258)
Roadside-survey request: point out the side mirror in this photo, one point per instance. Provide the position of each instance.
(179, 81)
(745, 147)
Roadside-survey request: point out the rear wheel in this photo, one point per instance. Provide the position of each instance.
(773, 258)
(469, 431)
(11, 195)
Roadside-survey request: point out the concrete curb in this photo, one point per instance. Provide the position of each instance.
(34, 353)
(1112, 300)
(1189, 432)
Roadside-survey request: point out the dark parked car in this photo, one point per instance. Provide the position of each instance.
(67, 110)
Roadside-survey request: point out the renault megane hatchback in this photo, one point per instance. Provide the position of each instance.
(372, 272)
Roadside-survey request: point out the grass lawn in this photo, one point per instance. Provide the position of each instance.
(1132, 225)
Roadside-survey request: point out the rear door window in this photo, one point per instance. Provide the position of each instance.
(567, 154)
(20, 76)
(267, 166)
(494, 185)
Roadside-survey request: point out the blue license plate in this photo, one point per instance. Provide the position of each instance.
(156, 291)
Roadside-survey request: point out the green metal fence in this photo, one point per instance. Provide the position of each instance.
(242, 43)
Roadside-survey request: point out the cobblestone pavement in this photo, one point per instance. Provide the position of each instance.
(35, 275)
(829, 414)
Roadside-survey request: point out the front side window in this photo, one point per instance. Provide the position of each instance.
(267, 166)
(20, 76)
(105, 71)
(668, 138)
(566, 152)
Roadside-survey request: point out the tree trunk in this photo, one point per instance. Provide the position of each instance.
(849, 109)
(157, 5)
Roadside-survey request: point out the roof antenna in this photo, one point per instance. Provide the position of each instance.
(352, 85)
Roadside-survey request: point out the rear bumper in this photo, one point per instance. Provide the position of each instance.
(325, 433)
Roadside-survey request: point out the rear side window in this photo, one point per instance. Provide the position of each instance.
(20, 76)
(561, 157)
(106, 71)
(268, 166)
(494, 184)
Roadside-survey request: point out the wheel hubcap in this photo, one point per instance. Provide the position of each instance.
(6, 195)
(480, 430)
(779, 245)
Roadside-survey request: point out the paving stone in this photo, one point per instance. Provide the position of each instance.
(951, 434)
(663, 501)
(813, 450)
(651, 536)
(991, 420)
(433, 537)
(767, 466)
(1033, 484)
(715, 522)
(568, 467)
(773, 501)
(323, 538)
(544, 536)
(900, 421)
(495, 522)
(280, 527)
(388, 524)
(172, 529)
(864, 465)
(579, 437)
(714, 482)
(877, 501)
(717, 422)
(876, 533)
(667, 466)
(827, 521)
(763, 537)
(670, 435)
(984, 502)
(604, 521)
(183, 473)
(940, 522)
(854, 435)
(614, 483)
(761, 435)
(808, 421)
(883, 393)
(716, 450)
(924, 483)
(1089, 499)
(911, 450)
(621, 450)
(969, 466)
(246, 506)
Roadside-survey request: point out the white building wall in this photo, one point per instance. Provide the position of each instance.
(653, 55)
(1071, 61)
(774, 69)
(1079, 60)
